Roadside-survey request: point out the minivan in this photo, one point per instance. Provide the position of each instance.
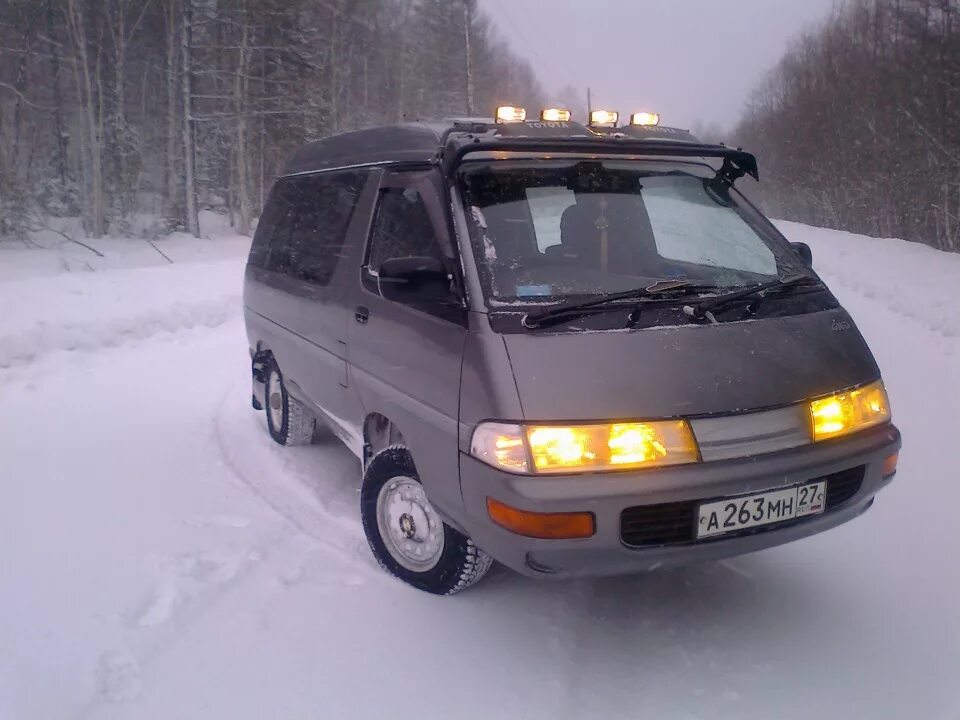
(577, 349)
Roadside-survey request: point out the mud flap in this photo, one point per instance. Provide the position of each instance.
(257, 398)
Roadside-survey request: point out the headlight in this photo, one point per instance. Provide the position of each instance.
(578, 448)
(500, 445)
(846, 412)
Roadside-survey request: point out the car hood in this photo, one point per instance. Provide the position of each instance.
(687, 370)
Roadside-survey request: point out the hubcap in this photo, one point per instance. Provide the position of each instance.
(275, 400)
(410, 527)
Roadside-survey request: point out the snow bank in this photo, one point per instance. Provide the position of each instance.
(61, 296)
(54, 254)
(910, 279)
(104, 309)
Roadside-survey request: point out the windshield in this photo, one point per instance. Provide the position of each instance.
(556, 229)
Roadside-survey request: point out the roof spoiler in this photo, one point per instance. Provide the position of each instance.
(736, 163)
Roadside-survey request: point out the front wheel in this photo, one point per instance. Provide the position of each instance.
(406, 534)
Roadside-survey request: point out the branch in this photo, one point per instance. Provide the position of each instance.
(150, 243)
(68, 239)
(24, 98)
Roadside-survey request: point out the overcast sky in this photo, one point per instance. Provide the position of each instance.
(693, 61)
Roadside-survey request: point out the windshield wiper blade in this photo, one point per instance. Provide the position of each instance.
(664, 288)
(705, 307)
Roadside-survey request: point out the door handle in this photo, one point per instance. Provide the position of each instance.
(361, 315)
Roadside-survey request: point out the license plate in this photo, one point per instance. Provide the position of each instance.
(739, 513)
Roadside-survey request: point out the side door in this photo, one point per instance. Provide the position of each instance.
(405, 359)
(270, 308)
(313, 358)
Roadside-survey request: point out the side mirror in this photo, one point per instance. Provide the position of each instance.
(804, 251)
(414, 279)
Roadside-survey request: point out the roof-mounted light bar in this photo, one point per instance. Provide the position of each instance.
(604, 118)
(555, 115)
(647, 119)
(510, 114)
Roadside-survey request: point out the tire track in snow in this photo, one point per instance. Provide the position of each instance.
(302, 509)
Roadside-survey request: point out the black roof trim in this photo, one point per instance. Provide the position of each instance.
(458, 148)
(447, 143)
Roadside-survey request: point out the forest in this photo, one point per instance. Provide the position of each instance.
(134, 114)
(858, 127)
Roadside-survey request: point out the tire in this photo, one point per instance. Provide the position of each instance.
(290, 421)
(455, 566)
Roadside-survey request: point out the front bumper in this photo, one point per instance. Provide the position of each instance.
(607, 495)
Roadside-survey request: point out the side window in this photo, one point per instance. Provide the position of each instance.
(309, 224)
(402, 228)
(282, 255)
(325, 206)
(260, 248)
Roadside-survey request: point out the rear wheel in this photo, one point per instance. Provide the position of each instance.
(406, 534)
(290, 421)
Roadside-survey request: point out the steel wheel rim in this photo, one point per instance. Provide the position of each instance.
(409, 526)
(275, 400)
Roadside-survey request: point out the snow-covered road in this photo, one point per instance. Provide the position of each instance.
(161, 558)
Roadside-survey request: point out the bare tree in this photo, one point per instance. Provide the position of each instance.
(116, 108)
(857, 126)
(189, 147)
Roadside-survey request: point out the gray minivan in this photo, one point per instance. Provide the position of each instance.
(575, 349)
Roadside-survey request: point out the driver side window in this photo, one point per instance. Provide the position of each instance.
(402, 228)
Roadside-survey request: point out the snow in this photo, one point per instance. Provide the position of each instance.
(161, 557)
(907, 278)
(52, 253)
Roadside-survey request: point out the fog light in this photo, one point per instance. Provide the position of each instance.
(549, 526)
(890, 465)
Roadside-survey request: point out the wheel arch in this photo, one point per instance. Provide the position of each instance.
(379, 432)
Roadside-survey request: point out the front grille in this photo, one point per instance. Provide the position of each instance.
(843, 485)
(657, 524)
(674, 523)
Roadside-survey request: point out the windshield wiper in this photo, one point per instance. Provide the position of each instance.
(665, 289)
(705, 308)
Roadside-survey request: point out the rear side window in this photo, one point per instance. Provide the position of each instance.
(402, 229)
(280, 258)
(309, 231)
(260, 249)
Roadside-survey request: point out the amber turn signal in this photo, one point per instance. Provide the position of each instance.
(890, 465)
(549, 526)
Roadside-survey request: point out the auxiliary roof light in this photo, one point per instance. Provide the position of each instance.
(604, 118)
(510, 114)
(645, 118)
(555, 115)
